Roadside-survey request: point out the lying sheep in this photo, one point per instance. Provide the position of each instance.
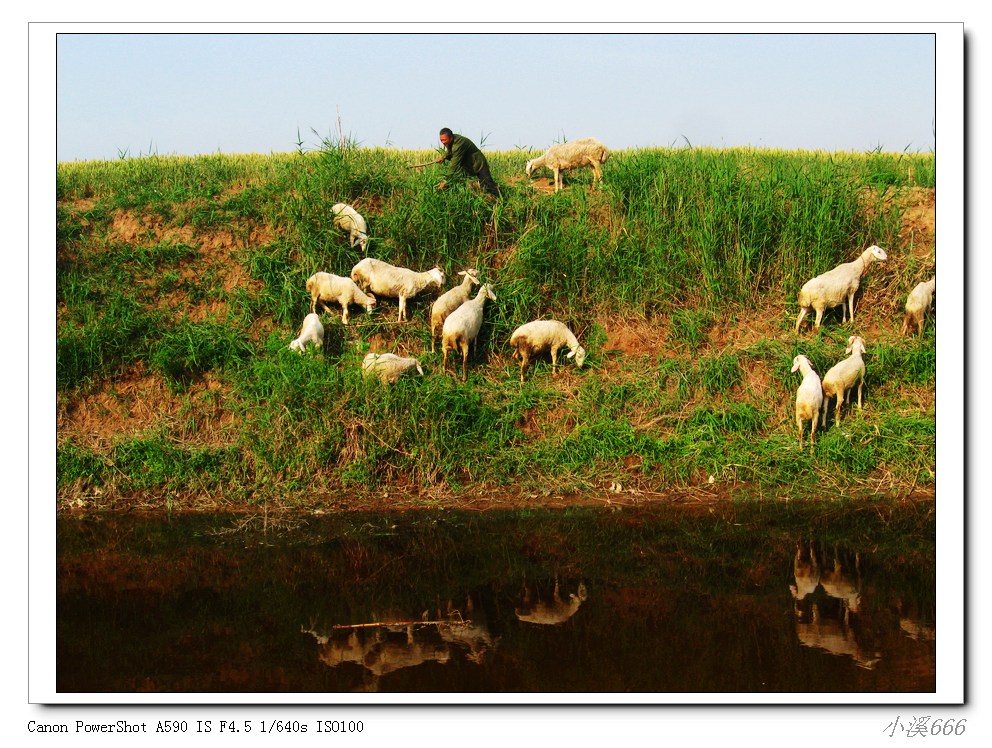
(350, 221)
(389, 367)
(918, 304)
(398, 283)
(809, 398)
(836, 287)
(450, 300)
(311, 332)
(462, 326)
(572, 155)
(545, 335)
(842, 377)
(327, 288)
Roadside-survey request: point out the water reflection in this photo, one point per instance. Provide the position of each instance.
(648, 601)
(827, 600)
(552, 611)
(395, 641)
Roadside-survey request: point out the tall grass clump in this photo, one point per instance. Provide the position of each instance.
(184, 351)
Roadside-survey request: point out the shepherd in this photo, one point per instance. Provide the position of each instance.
(466, 161)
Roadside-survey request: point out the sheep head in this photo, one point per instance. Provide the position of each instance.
(437, 275)
(580, 355)
(875, 252)
(798, 361)
(855, 342)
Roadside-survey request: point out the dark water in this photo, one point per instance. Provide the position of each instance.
(811, 598)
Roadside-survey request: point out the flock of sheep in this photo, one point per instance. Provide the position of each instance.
(837, 287)
(456, 315)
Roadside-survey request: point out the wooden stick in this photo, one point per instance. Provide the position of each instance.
(399, 623)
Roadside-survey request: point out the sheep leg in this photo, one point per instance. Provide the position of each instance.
(799, 423)
(841, 398)
(465, 361)
(812, 431)
(554, 362)
(402, 309)
(819, 318)
(523, 365)
(444, 361)
(850, 302)
(860, 385)
(344, 313)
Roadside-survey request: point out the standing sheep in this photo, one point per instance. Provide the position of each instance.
(545, 335)
(462, 326)
(398, 283)
(809, 398)
(326, 288)
(450, 300)
(918, 304)
(389, 367)
(572, 155)
(311, 332)
(836, 287)
(841, 377)
(350, 221)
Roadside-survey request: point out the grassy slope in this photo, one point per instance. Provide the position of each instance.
(181, 281)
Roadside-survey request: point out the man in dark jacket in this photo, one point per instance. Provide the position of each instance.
(466, 161)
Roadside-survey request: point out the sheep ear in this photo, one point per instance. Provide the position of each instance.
(570, 355)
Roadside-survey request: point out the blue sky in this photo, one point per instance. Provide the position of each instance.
(194, 93)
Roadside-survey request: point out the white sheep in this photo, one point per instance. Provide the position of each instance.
(389, 367)
(836, 287)
(384, 279)
(918, 304)
(311, 332)
(450, 300)
(839, 381)
(545, 335)
(572, 155)
(809, 398)
(462, 327)
(350, 221)
(326, 288)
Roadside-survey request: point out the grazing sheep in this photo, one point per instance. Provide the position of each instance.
(349, 220)
(462, 327)
(311, 332)
(918, 304)
(389, 367)
(545, 335)
(841, 377)
(450, 300)
(572, 155)
(327, 288)
(397, 283)
(809, 398)
(836, 287)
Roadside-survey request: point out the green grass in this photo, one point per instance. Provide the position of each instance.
(689, 242)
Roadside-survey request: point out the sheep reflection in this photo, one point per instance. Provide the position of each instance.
(553, 611)
(826, 601)
(396, 642)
